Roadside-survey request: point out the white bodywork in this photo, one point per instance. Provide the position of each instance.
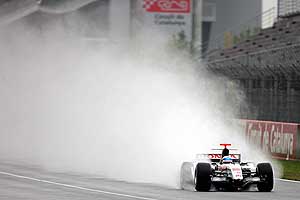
(221, 172)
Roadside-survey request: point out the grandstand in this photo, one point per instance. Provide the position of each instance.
(266, 64)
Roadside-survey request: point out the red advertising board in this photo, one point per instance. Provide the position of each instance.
(279, 139)
(167, 6)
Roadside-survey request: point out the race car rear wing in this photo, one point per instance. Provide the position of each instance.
(214, 157)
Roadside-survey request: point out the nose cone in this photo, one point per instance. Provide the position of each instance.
(222, 167)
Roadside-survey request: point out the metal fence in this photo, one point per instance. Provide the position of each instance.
(274, 62)
(270, 80)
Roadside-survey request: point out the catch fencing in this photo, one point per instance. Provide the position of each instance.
(270, 80)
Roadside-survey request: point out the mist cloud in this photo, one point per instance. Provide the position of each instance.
(133, 113)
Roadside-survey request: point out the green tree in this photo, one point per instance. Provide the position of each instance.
(243, 36)
(236, 39)
(179, 42)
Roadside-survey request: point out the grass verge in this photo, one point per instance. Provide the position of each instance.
(291, 169)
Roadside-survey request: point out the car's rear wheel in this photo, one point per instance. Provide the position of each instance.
(203, 174)
(265, 173)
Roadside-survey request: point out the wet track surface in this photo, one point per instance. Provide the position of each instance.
(19, 182)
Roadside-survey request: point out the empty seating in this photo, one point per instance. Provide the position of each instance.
(285, 31)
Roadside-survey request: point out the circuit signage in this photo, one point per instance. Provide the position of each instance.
(167, 6)
(279, 139)
(171, 17)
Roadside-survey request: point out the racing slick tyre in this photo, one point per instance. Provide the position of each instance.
(203, 174)
(265, 173)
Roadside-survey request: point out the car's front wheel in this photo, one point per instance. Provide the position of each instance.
(265, 173)
(203, 174)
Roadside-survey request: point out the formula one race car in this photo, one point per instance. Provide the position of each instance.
(225, 171)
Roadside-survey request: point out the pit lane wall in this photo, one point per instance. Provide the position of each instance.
(281, 140)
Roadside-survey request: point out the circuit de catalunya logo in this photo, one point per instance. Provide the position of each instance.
(167, 6)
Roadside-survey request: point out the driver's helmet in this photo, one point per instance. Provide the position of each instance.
(226, 159)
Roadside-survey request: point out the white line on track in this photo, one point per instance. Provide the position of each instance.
(291, 181)
(76, 187)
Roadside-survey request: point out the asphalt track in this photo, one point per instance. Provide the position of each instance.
(19, 182)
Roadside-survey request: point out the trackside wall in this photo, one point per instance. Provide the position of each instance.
(281, 140)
